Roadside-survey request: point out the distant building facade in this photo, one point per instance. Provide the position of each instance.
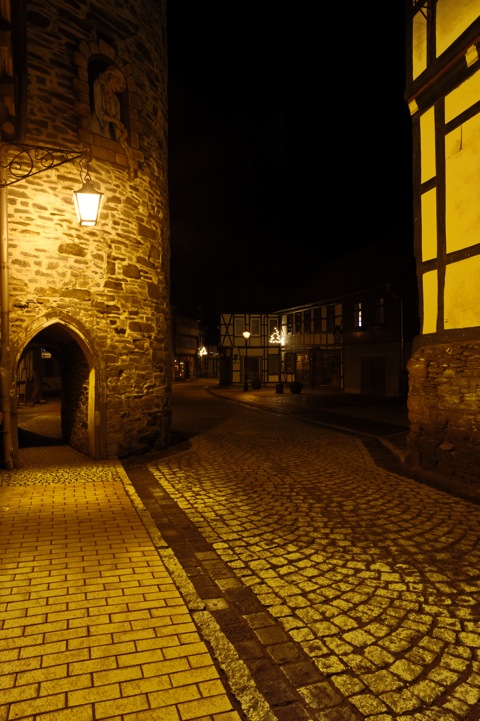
(256, 358)
(194, 356)
(358, 339)
(312, 344)
(443, 94)
(186, 346)
(92, 300)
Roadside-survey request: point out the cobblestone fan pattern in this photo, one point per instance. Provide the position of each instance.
(92, 626)
(368, 576)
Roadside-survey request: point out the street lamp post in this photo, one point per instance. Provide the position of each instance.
(246, 335)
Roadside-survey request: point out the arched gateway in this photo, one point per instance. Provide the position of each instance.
(59, 362)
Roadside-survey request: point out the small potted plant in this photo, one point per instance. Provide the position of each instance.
(296, 387)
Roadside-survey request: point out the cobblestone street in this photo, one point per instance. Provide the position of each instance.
(349, 592)
(262, 568)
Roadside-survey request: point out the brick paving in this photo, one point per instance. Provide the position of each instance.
(266, 569)
(92, 625)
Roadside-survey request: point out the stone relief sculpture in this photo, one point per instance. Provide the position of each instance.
(106, 115)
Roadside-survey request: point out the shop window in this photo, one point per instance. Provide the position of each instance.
(289, 363)
(239, 326)
(307, 320)
(330, 318)
(274, 362)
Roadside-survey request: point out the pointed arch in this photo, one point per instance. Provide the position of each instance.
(63, 333)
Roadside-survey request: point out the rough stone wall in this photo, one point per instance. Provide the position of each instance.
(444, 411)
(74, 398)
(112, 281)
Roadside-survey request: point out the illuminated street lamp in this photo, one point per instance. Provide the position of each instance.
(87, 201)
(246, 335)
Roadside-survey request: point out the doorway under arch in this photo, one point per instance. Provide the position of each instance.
(56, 369)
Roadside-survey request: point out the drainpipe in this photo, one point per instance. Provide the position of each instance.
(5, 403)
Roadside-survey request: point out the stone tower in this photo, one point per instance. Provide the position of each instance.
(83, 93)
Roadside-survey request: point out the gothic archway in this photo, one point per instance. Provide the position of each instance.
(57, 368)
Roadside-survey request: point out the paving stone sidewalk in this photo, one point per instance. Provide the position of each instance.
(92, 623)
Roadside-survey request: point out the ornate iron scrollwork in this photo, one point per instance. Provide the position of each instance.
(19, 161)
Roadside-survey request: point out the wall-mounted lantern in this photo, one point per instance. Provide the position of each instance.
(88, 201)
(87, 204)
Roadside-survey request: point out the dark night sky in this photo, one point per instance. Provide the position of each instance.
(289, 141)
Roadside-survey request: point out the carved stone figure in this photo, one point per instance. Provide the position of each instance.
(106, 119)
(106, 113)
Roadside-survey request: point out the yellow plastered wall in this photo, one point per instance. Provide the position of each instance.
(462, 306)
(462, 97)
(419, 44)
(462, 151)
(430, 296)
(427, 136)
(452, 18)
(429, 224)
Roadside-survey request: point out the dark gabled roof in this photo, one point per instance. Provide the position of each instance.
(256, 300)
(390, 261)
(374, 266)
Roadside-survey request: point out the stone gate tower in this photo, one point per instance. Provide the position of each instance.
(83, 94)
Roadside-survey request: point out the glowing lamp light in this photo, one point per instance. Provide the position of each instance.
(246, 335)
(275, 337)
(87, 203)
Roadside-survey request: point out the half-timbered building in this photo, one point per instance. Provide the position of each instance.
(443, 94)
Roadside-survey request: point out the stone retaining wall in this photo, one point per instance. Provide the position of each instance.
(444, 411)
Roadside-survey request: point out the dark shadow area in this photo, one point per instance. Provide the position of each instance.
(39, 424)
(29, 439)
(384, 458)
